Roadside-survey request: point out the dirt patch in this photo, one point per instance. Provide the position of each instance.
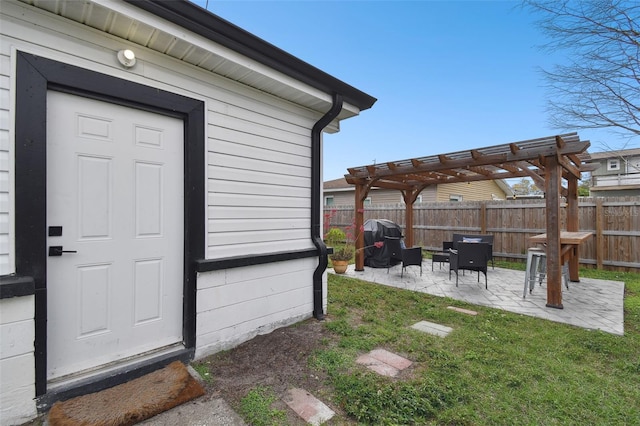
(278, 360)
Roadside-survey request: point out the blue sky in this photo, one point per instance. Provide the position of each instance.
(448, 75)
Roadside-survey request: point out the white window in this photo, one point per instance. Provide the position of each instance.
(613, 164)
(328, 200)
(367, 201)
(418, 199)
(455, 197)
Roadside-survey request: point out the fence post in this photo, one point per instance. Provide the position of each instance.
(599, 235)
(483, 217)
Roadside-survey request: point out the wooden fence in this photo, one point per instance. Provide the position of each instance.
(614, 222)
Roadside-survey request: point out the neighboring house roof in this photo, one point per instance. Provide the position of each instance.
(339, 184)
(502, 184)
(614, 154)
(201, 21)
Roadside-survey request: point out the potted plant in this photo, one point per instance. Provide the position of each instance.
(343, 251)
(340, 258)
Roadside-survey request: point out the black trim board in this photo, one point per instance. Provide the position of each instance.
(34, 76)
(206, 265)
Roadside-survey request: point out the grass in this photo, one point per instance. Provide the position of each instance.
(202, 368)
(497, 368)
(256, 409)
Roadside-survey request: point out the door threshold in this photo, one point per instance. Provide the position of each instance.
(98, 379)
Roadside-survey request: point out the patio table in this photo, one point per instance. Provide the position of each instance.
(440, 257)
(569, 243)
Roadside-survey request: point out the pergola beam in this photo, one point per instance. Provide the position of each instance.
(444, 162)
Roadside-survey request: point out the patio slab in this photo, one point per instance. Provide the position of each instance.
(590, 303)
(432, 328)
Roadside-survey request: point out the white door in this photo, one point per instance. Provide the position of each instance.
(115, 187)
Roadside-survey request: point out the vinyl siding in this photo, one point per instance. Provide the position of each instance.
(379, 196)
(471, 191)
(5, 165)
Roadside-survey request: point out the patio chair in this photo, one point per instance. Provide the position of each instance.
(411, 256)
(475, 238)
(470, 257)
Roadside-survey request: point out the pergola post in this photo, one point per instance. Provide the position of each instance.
(553, 177)
(409, 198)
(360, 195)
(573, 224)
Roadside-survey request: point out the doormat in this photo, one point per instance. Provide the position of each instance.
(131, 402)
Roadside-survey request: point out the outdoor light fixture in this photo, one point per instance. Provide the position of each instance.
(127, 58)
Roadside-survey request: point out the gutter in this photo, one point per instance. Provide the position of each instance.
(316, 154)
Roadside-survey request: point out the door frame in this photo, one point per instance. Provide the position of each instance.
(36, 75)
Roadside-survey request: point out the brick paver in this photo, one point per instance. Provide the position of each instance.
(307, 406)
(384, 362)
(462, 310)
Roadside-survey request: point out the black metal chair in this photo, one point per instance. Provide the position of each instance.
(411, 256)
(470, 257)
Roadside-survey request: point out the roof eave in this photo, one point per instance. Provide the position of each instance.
(199, 20)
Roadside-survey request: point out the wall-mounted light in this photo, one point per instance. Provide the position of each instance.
(127, 58)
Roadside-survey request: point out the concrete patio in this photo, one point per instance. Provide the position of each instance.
(590, 303)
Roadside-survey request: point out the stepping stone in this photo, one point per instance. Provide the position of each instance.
(462, 310)
(307, 406)
(432, 328)
(384, 362)
(390, 358)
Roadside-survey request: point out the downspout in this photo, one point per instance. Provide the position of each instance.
(316, 204)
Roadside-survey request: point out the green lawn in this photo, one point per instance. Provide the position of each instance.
(496, 368)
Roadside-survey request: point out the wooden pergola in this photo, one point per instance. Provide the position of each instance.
(549, 161)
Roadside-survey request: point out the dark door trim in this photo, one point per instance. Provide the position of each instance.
(34, 76)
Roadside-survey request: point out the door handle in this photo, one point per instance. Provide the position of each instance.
(57, 251)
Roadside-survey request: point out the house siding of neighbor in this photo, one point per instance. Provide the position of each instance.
(618, 174)
(243, 207)
(339, 192)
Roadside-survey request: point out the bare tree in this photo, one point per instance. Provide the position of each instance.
(599, 86)
(525, 186)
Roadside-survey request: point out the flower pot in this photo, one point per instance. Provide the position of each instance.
(340, 266)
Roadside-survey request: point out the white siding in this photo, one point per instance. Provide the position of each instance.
(5, 183)
(17, 361)
(259, 184)
(237, 304)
